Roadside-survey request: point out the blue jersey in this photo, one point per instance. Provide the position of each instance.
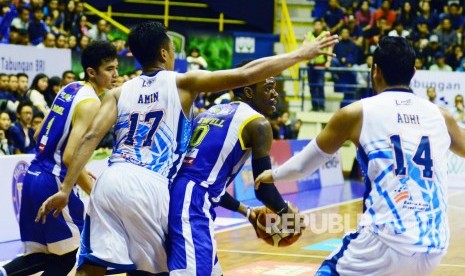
(56, 129)
(403, 152)
(152, 130)
(217, 152)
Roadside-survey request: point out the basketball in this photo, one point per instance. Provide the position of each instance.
(269, 228)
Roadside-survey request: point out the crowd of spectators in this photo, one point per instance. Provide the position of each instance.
(435, 28)
(52, 24)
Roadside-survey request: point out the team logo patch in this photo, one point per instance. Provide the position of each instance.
(17, 185)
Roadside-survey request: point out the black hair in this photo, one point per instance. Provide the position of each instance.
(146, 40)
(22, 104)
(67, 72)
(35, 82)
(395, 57)
(22, 75)
(239, 91)
(96, 53)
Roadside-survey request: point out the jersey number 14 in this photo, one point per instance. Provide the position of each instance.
(421, 158)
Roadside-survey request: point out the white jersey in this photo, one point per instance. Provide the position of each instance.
(403, 153)
(152, 130)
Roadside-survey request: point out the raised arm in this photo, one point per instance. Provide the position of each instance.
(344, 125)
(194, 82)
(105, 118)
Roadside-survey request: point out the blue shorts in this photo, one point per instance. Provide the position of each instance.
(59, 235)
(191, 242)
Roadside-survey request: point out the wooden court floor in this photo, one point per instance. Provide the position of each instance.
(240, 247)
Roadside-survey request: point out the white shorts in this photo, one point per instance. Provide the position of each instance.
(127, 220)
(365, 254)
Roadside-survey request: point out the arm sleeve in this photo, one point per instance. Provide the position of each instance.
(305, 162)
(230, 203)
(268, 194)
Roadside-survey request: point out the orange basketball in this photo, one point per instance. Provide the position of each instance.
(269, 228)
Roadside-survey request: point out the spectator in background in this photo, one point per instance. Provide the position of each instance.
(83, 43)
(36, 93)
(37, 119)
(81, 28)
(458, 111)
(275, 122)
(430, 18)
(446, 35)
(22, 21)
(430, 51)
(23, 80)
(5, 123)
(21, 134)
(52, 10)
(72, 42)
(419, 63)
(13, 84)
(440, 63)
(333, 16)
(407, 16)
(285, 128)
(455, 57)
(67, 77)
(398, 30)
(61, 41)
(364, 16)
(48, 41)
(67, 19)
(347, 55)
(54, 86)
(99, 31)
(4, 79)
(364, 78)
(355, 31)
(455, 16)
(316, 72)
(296, 125)
(386, 12)
(195, 61)
(432, 96)
(37, 28)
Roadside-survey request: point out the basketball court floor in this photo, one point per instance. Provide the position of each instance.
(331, 212)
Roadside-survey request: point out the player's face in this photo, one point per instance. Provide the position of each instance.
(265, 97)
(107, 74)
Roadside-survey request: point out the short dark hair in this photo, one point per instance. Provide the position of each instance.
(67, 72)
(22, 104)
(96, 53)
(395, 57)
(145, 41)
(239, 91)
(22, 75)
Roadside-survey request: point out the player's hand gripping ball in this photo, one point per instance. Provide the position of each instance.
(279, 231)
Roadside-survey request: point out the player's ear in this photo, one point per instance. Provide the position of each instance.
(91, 72)
(163, 55)
(248, 92)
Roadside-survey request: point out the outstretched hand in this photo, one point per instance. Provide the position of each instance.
(56, 202)
(319, 46)
(264, 177)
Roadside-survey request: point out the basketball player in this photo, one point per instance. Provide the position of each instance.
(52, 247)
(224, 136)
(402, 143)
(127, 216)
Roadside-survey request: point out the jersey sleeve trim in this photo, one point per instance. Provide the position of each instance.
(241, 128)
(77, 106)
